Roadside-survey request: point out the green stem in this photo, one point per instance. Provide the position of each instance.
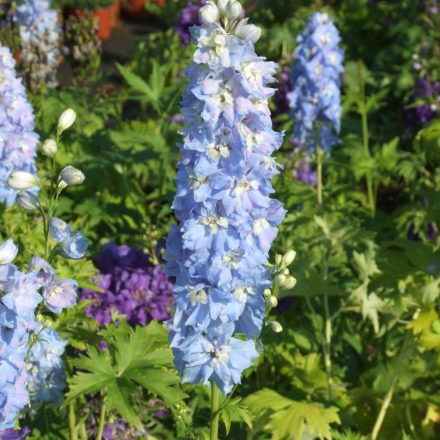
(102, 414)
(365, 138)
(389, 395)
(72, 422)
(215, 414)
(319, 156)
(328, 345)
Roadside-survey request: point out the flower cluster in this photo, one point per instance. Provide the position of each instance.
(18, 140)
(19, 299)
(15, 434)
(132, 286)
(188, 17)
(227, 221)
(40, 40)
(315, 101)
(45, 369)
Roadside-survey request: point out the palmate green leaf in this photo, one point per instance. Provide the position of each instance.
(159, 382)
(235, 411)
(136, 358)
(289, 420)
(120, 397)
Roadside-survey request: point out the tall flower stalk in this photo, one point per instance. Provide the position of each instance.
(18, 140)
(217, 254)
(30, 354)
(316, 110)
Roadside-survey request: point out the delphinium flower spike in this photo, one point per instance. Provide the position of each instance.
(315, 101)
(18, 140)
(40, 41)
(227, 220)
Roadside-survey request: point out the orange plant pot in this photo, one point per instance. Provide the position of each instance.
(116, 14)
(104, 16)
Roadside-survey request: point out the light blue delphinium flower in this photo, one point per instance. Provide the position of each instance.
(19, 299)
(18, 140)
(45, 369)
(73, 244)
(227, 220)
(40, 40)
(315, 101)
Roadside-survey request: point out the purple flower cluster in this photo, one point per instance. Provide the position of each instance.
(424, 103)
(189, 16)
(15, 434)
(132, 286)
(284, 89)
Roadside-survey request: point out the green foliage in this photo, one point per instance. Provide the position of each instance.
(289, 419)
(136, 360)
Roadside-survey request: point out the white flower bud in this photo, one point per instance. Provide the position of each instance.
(209, 13)
(72, 176)
(248, 32)
(234, 10)
(290, 282)
(8, 251)
(267, 293)
(281, 280)
(288, 258)
(27, 200)
(272, 301)
(278, 259)
(285, 271)
(21, 180)
(66, 120)
(276, 326)
(49, 148)
(222, 5)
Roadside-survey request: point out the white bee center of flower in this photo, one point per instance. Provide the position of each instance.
(216, 151)
(220, 355)
(318, 70)
(260, 225)
(232, 260)
(254, 139)
(245, 185)
(198, 296)
(224, 97)
(198, 181)
(251, 72)
(242, 293)
(214, 222)
(54, 291)
(325, 39)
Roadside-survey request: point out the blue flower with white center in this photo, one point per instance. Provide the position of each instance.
(217, 254)
(315, 101)
(18, 141)
(45, 369)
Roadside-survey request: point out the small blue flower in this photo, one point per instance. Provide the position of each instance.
(75, 246)
(59, 229)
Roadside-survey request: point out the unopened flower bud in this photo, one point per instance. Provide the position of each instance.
(272, 301)
(276, 326)
(290, 282)
(234, 10)
(267, 293)
(27, 200)
(281, 280)
(49, 148)
(278, 259)
(209, 13)
(288, 258)
(222, 5)
(248, 32)
(72, 176)
(21, 180)
(285, 271)
(66, 120)
(8, 251)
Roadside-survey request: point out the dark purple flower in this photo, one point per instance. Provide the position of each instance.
(285, 87)
(419, 115)
(132, 286)
(189, 16)
(121, 430)
(15, 434)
